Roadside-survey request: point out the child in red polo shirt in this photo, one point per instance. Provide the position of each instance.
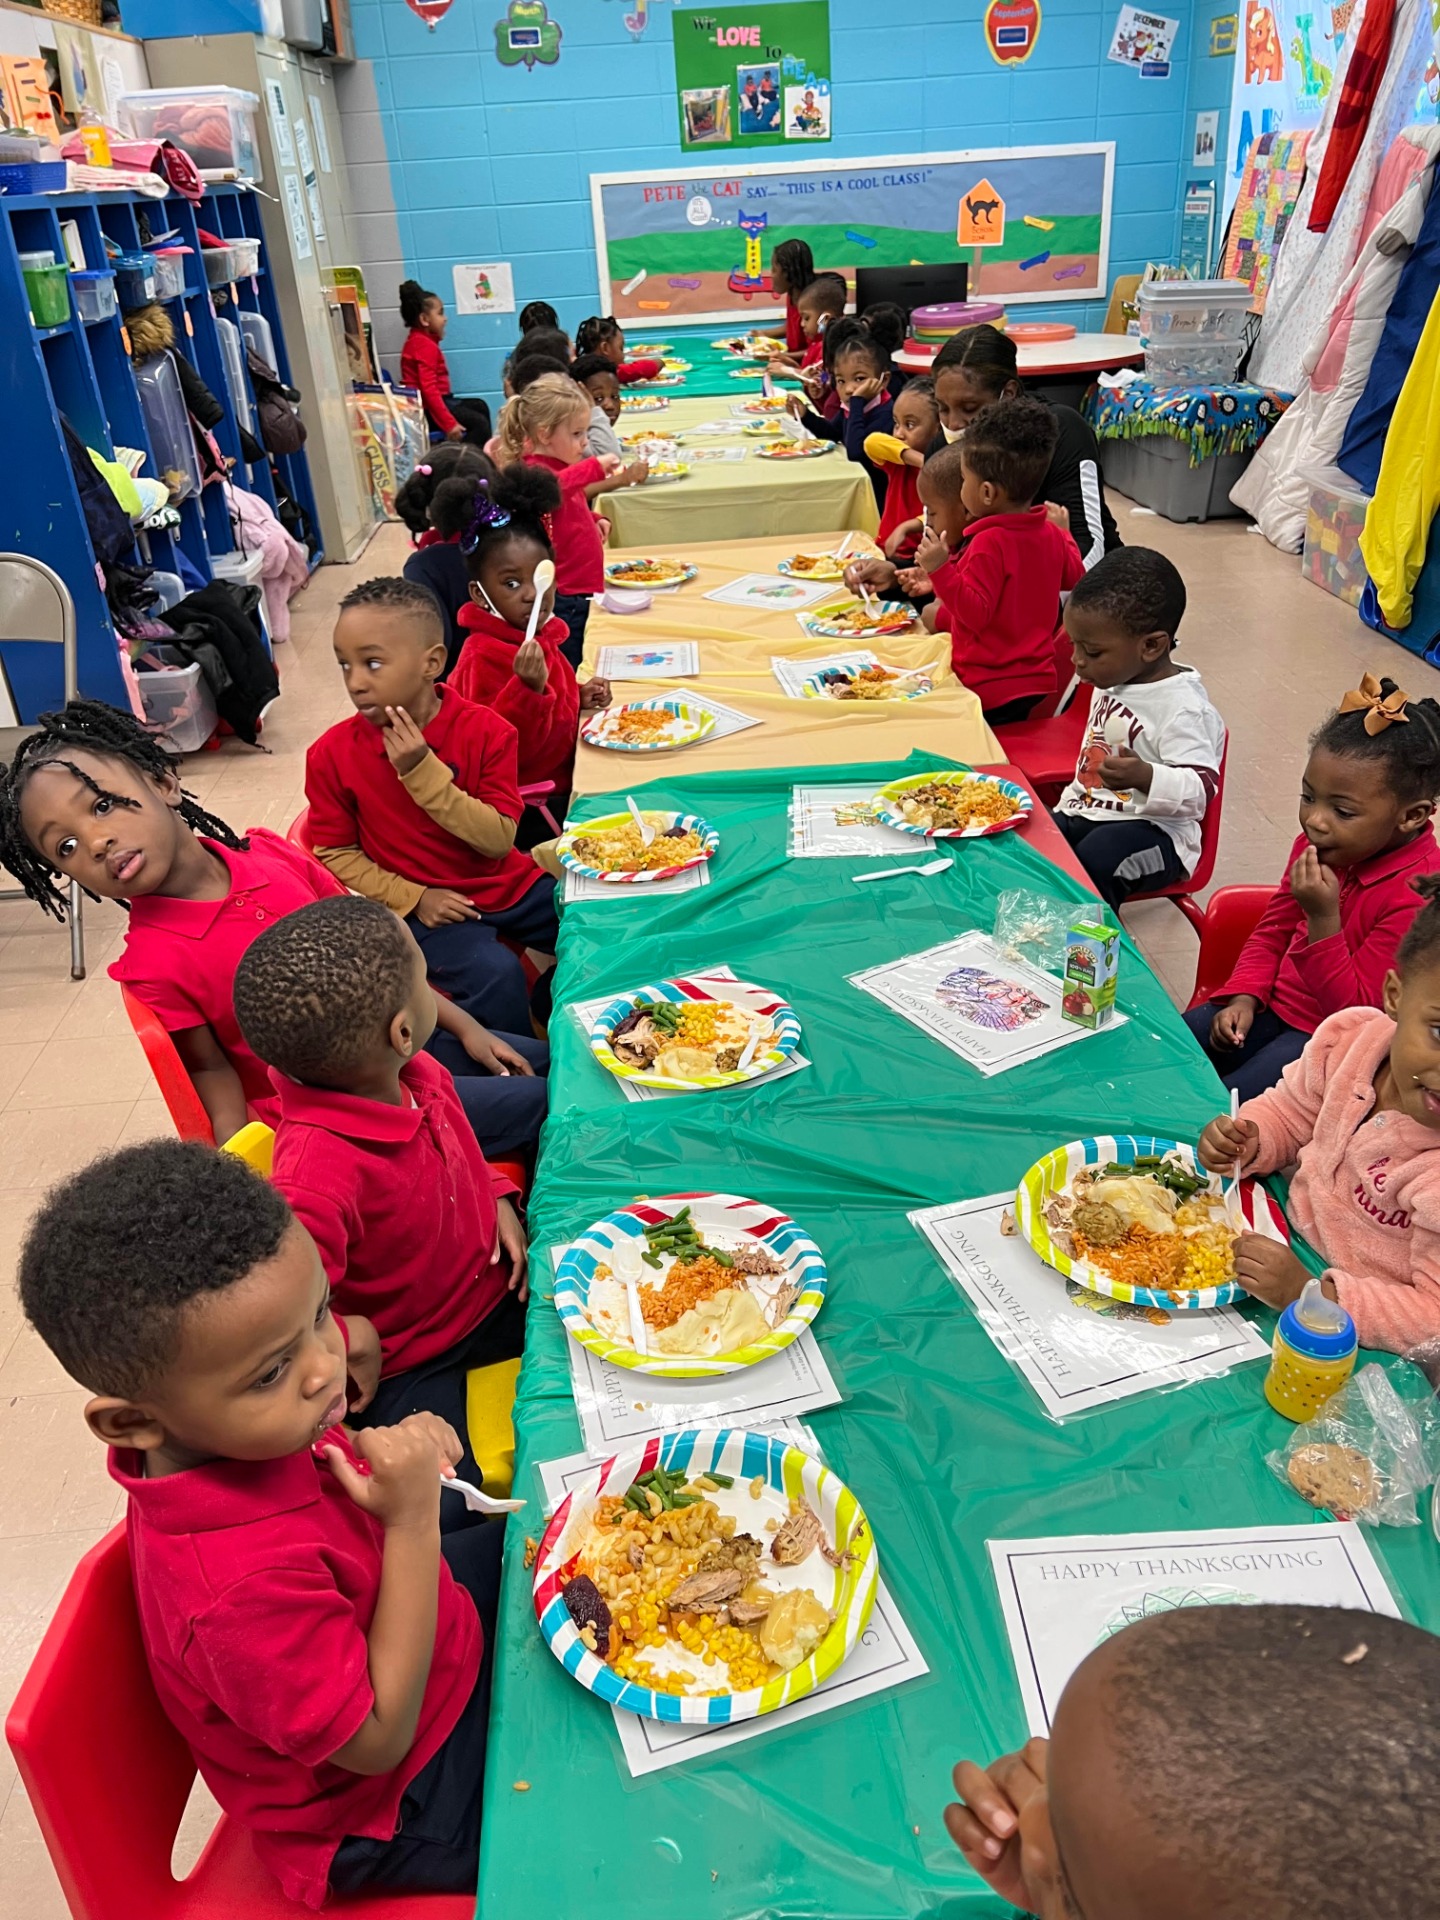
(325, 1656)
(372, 1151)
(997, 563)
(547, 426)
(603, 334)
(414, 803)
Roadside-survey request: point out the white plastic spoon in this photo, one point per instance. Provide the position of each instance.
(544, 580)
(479, 1502)
(647, 832)
(889, 873)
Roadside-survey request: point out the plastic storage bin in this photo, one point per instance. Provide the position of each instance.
(232, 352)
(219, 265)
(1193, 309)
(1191, 362)
(247, 257)
(1156, 472)
(48, 289)
(170, 588)
(176, 699)
(169, 266)
(94, 291)
(215, 125)
(241, 569)
(259, 338)
(1334, 521)
(163, 405)
(135, 279)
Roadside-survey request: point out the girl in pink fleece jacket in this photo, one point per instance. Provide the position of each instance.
(1359, 1112)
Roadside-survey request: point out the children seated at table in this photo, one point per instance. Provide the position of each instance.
(422, 365)
(1103, 1820)
(914, 428)
(1358, 1116)
(546, 426)
(599, 378)
(996, 563)
(414, 1230)
(1329, 935)
(414, 803)
(436, 562)
(603, 334)
(529, 682)
(322, 1652)
(1150, 761)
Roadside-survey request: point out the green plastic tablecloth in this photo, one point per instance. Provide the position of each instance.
(710, 370)
(941, 1440)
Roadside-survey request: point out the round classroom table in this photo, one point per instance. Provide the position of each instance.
(725, 499)
(736, 645)
(1086, 353)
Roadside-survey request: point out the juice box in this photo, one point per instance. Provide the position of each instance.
(1092, 960)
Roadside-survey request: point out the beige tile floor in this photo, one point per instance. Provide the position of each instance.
(1276, 653)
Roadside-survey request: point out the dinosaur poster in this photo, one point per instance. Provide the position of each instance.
(754, 76)
(690, 245)
(1285, 63)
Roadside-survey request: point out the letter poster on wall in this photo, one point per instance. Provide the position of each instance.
(753, 76)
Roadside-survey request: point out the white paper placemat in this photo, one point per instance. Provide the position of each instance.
(837, 823)
(1075, 1356)
(1062, 1596)
(727, 719)
(773, 592)
(713, 456)
(665, 660)
(578, 887)
(1022, 1001)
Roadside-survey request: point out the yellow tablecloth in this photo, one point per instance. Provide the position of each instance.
(725, 500)
(736, 645)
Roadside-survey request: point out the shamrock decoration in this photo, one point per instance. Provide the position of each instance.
(527, 33)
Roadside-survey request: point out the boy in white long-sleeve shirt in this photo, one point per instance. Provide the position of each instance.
(1150, 760)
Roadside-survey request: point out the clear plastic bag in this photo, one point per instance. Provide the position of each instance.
(1368, 1451)
(1032, 926)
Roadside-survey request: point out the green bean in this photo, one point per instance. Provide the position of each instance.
(686, 1499)
(650, 1259)
(720, 1479)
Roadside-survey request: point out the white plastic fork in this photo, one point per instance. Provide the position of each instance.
(479, 1502)
(888, 873)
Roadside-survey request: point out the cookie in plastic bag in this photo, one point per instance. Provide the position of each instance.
(1368, 1451)
(1032, 926)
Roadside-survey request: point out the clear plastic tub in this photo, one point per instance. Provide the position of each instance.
(20, 149)
(232, 352)
(169, 264)
(177, 701)
(170, 588)
(1334, 521)
(94, 292)
(247, 257)
(48, 289)
(1192, 362)
(214, 125)
(241, 569)
(259, 339)
(32, 262)
(163, 404)
(1193, 309)
(220, 266)
(135, 279)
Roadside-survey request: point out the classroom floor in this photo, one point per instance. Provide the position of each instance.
(1276, 654)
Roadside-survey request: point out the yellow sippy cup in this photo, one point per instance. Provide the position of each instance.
(1312, 1355)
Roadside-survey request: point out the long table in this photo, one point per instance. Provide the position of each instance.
(723, 500)
(840, 1816)
(736, 645)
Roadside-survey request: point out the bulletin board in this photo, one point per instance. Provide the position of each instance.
(693, 245)
(753, 77)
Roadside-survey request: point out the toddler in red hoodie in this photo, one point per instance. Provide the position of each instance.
(529, 682)
(997, 563)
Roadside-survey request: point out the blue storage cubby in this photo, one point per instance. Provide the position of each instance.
(83, 370)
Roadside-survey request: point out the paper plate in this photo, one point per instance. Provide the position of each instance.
(617, 574)
(1053, 1173)
(764, 430)
(743, 992)
(694, 724)
(821, 621)
(795, 450)
(658, 380)
(914, 685)
(674, 366)
(726, 1221)
(565, 847)
(786, 1473)
(821, 574)
(662, 472)
(649, 446)
(642, 403)
(764, 403)
(886, 807)
(746, 373)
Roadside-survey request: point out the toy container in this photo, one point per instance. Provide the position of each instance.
(1092, 961)
(94, 291)
(135, 279)
(214, 125)
(176, 698)
(1191, 361)
(1334, 522)
(163, 404)
(169, 268)
(1312, 1354)
(1195, 310)
(48, 289)
(219, 265)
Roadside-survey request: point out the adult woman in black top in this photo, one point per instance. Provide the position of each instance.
(978, 366)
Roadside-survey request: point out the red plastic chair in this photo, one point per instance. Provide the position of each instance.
(177, 1089)
(538, 797)
(110, 1823)
(1046, 746)
(1231, 916)
(1183, 892)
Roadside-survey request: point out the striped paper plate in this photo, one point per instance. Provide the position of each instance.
(907, 685)
(693, 723)
(886, 804)
(848, 1592)
(1053, 1173)
(754, 999)
(643, 403)
(690, 822)
(726, 1221)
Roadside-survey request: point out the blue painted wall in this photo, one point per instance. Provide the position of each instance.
(492, 163)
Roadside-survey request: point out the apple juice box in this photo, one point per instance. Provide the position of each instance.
(1092, 960)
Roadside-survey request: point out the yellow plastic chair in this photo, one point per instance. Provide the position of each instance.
(1122, 296)
(255, 1145)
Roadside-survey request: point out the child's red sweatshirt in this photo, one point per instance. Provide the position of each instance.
(422, 365)
(634, 370)
(579, 551)
(546, 722)
(1000, 598)
(902, 502)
